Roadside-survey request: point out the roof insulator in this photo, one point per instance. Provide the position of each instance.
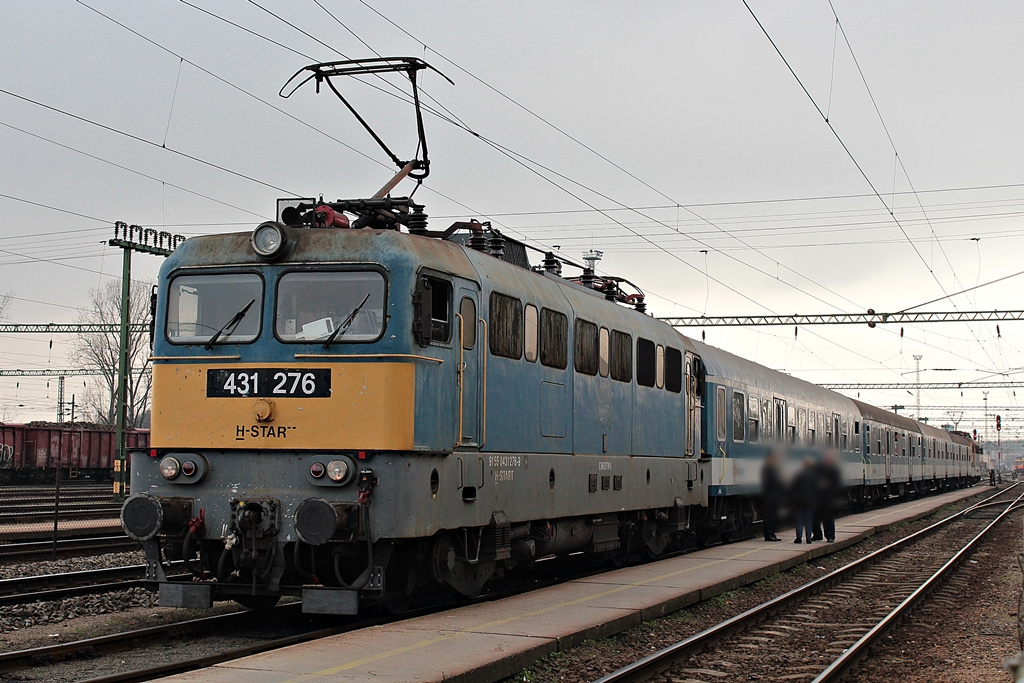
(496, 246)
(552, 264)
(417, 221)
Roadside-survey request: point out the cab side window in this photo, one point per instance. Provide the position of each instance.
(622, 356)
(554, 339)
(506, 328)
(586, 358)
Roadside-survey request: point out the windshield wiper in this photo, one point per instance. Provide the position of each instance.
(346, 323)
(230, 325)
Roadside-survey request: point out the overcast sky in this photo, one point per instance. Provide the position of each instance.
(702, 128)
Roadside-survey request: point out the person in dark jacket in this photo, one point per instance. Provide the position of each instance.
(830, 482)
(805, 495)
(772, 494)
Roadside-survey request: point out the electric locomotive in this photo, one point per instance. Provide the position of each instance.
(350, 414)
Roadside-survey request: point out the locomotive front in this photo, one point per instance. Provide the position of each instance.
(281, 387)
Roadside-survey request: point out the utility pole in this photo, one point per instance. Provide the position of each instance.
(917, 378)
(60, 399)
(148, 241)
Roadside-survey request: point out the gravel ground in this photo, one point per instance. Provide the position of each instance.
(72, 564)
(963, 633)
(52, 612)
(593, 659)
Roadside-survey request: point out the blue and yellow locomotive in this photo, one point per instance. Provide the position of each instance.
(350, 414)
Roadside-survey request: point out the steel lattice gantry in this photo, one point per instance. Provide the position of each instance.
(924, 385)
(69, 328)
(76, 372)
(870, 318)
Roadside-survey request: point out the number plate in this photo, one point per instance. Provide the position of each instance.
(269, 383)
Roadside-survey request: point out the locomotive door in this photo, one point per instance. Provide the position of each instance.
(470, 372)
(694, 370)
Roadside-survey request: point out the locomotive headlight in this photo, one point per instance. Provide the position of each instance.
(268, 240)
(169, 467)
(337, 470)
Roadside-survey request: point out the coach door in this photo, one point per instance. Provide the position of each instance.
(471, 371)
(694, 370)
(779, 419)
(888, 453)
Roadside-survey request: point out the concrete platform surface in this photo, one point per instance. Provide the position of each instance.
(489, 641)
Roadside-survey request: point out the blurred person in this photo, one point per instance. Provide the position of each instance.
(805, 493)
(772, 494)
(830, 484)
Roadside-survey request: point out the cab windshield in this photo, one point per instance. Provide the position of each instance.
(330, 306)
(207, 307)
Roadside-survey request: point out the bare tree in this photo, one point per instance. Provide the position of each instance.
(99, 351)
(5, 303)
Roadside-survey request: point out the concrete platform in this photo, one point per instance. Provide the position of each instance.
(486, 642)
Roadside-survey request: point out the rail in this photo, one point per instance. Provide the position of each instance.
(647, 666)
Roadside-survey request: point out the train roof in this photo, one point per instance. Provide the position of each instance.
(723, 364)
(328, 245)
(876, 414)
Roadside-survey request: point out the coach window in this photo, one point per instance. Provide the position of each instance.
(645, 363)
(531, 328)
(846, 431)
(586, 355)
(720, 412)
(739, 416)
(767, 433)
(467, 309)
(867, 439)
(603, 352)
(801, 425)
(856, 436)
(673, 370)
(621, 356)
(506, 326)
(554, 339)
(752, 420)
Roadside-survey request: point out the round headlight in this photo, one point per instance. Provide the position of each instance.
(188, 468)
(169, 467)
(316, 470)
(337, 470)
(268, 240)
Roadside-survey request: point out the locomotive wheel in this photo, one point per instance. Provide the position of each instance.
(258, 603)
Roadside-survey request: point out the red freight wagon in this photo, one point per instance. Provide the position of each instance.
(32, 452)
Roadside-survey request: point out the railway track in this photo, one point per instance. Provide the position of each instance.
(819, 631)
(25, 589)
(235, 626)
(63, 513)
(31, 551)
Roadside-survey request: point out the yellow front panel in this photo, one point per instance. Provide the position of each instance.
(371, 407)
